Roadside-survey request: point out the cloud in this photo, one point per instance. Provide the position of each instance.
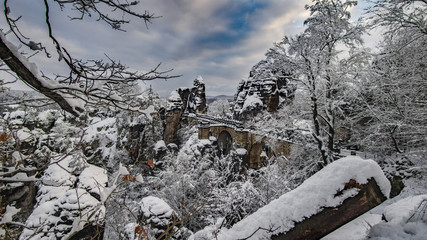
(243, 35)
(220, 40)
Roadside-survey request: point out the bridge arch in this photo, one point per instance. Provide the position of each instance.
(225, 142)
(229, 137)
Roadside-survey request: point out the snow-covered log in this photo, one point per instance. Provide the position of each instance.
(338, 193)
(331, 218)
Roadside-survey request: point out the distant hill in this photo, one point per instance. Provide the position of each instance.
(210, 99)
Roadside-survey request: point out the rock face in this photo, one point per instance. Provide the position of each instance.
(183, 100)
(173, 118)
(269, 82)
(194, 99)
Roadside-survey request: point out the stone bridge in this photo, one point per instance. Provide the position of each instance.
(231, 136)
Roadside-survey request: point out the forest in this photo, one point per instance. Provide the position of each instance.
(92, 153)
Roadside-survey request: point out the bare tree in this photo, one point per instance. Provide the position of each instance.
(88, 82)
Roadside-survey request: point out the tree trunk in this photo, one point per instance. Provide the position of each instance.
(28, 77)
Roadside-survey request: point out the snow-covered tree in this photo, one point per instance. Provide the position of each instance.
(316, 57)
(219, 108)
(394, 96)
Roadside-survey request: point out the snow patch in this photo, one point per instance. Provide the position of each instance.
(155, 206)
(241, 151)
(406, 219)
(8, 215)
(251, 102)
(93, 179)
(160, 146)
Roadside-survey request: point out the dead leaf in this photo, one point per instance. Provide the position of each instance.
(126, 178)
(4, 137)
(150, 163)
(140, 231)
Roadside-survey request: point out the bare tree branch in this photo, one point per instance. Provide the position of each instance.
(28, 77)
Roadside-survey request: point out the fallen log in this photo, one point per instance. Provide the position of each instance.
(330, 219)
(337, 194)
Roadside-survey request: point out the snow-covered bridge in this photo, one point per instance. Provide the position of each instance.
(230, 134)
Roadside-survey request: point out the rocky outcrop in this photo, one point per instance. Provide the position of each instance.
(270, 83)
(156, 220)
(194, 99)
(173, 118)
(197, 98)
(183, 100)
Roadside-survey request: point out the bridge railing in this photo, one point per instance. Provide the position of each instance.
(213, 119)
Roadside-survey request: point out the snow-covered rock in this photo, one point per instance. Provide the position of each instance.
(60, 204)
(271, 81)
(156, 218)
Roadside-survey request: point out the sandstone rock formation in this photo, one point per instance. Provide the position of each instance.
(194, 99)
(270, 83)
(173, 118)
(183, 100)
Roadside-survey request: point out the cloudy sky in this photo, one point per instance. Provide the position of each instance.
(218, 39)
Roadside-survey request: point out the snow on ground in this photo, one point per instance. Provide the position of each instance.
(404, 219)
(316, 193)
(396, 223)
